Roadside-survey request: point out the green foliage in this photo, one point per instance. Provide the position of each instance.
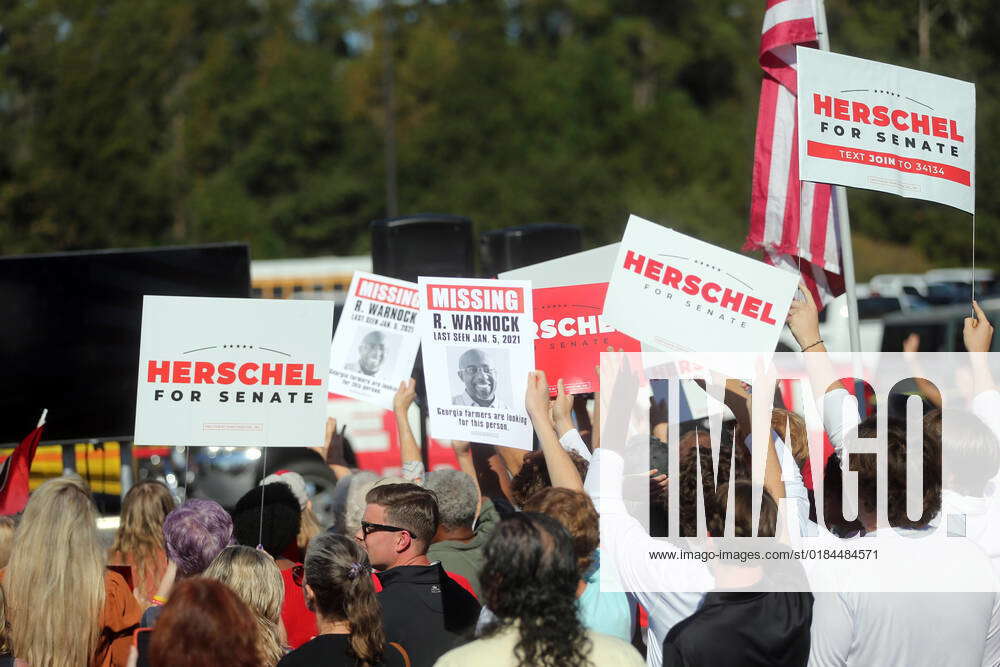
(138, 122)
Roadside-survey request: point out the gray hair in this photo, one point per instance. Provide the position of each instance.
(354, 506)
(457, 496)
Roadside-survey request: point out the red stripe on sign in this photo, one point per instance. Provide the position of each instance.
(889, 161)
(394, 295)
(475, 299)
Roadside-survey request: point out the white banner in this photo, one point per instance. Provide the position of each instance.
(376, 341)
(870, 125)
(676, 293)
(477, 353)
(232, 372)
(582, 268)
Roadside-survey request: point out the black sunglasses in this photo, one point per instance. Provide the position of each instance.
(369, 528)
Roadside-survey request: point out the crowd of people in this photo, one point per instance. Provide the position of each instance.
(498, 563)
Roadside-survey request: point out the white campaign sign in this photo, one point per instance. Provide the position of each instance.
(232, 372)
(870, 125)
(376, 340)
(676, 293)
(477, 351)
(582, 268)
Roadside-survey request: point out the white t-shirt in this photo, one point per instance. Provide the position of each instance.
(626, 545)
(912, 629)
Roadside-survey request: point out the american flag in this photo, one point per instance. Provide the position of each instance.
(792, 221)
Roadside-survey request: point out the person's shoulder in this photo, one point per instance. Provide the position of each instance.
(114, 581)
(476, 652)
(319, 648)
(463, 582)
(456, 584)
(120, 605)
(608, 650)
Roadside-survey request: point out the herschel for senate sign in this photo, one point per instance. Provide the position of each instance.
(870, 125)
(232, 372)
(678, 293)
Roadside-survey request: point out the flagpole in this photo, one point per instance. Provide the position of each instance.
(842, 219)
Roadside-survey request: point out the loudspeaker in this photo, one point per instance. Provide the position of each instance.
(515, 247)
(424, 245)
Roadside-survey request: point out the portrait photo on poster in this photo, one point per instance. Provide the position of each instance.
(480, 377)
(372, 352)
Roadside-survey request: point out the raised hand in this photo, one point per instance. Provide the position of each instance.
(562, 409)
(536, 397)
(803, 319)
(978, 332)
(405, 395)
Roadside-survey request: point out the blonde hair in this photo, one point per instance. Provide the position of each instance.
(7, 527)
(254, 577)
(308, 529)
(55, 579)
(4, 626)
(139, 542)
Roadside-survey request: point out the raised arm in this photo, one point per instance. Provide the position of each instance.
(562, 419)
(332, 449)
(911, 347)
(595, 428)
(583, 421)
(978, 337)
(463, 453)
(562, 472)
(803, 321)
(409, 450)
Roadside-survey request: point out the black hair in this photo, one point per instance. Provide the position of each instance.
(529, 578)
(277, 528)
(695, 452)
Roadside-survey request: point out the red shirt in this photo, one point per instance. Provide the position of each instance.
(300, 623)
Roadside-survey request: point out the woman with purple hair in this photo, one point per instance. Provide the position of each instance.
(193, 535)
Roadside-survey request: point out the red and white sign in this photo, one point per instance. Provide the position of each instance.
(571, 333)
(232, 372)
(374, 437)
(870, 125)
(676, 293)
(376, 341)
(477, 352)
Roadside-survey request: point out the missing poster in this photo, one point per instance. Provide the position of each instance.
(376, 341)
(478, 351)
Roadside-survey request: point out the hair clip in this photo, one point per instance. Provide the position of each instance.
(355, 570)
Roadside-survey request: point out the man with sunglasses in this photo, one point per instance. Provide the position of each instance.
(423, 608)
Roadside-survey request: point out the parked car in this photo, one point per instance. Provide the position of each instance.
(940, 328)
(898, 284)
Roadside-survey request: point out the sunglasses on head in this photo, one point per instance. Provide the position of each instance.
(369, 528)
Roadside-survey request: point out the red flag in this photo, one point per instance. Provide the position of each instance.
(792, 221)
(14, 474)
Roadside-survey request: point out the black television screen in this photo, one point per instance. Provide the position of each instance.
(69, 331)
